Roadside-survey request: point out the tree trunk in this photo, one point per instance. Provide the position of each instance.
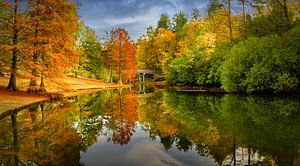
(12, 85)
(15, 136)
(120, 80)
(120, 64)
(110, 74)
(234, 150)
(229, 20)
(42, 88)
(249, 156)
(33, 111)
(12, 81)
(285, 10)
(244, 13)
(33, 86)
(286, 13)
(42, 110)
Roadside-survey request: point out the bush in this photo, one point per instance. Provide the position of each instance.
(182, 70)
(195, 69)
(262, 64)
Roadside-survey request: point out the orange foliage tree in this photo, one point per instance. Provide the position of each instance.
(123, 54)
(12, 32)
(50, 43)
(39, 35)
(130, 65)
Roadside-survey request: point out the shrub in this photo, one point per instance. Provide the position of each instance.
(262, 64)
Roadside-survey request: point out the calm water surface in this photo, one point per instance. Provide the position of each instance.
(149, 127)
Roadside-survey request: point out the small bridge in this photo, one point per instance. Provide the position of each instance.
(142, 73)
(150, 72)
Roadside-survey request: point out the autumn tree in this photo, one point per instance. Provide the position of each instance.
(165, 47)
(36, 12)
(131, 63)
(222, 23)
(156, 50)
(123, 53)
(51, 42)
(12, 25)
(146, 53)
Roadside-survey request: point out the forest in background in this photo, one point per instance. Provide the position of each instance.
(243, 52)
(250, 52)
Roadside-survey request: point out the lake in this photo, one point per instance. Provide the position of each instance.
(151, 126)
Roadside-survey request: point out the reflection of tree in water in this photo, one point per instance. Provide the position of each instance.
(224, 127)
(42, 137)
(233, 129)
(155, 118)
(54, 139)
(89, 120)
(55, 133)
(122, 116)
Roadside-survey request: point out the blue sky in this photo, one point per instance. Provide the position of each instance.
(134, 15)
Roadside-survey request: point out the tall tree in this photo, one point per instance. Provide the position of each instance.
(51, 44)
(90, 62)
(131, 63)
(218, 24)
(3, 56)
(229, 19)
(108, 53)
(12, 25)
(36, 12)
(122, 51)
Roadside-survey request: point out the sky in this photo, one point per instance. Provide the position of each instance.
(133, 15)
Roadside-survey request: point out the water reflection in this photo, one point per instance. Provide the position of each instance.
(37, 137)
(167, 128)
(121, 116)
(235, 130)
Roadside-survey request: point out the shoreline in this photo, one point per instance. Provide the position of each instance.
(17, 101)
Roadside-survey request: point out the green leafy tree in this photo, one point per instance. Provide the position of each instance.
(164, 22)
(196, 14)
(179, 20)
(91, 62)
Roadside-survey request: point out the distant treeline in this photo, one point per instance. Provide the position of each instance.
(244, 52)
